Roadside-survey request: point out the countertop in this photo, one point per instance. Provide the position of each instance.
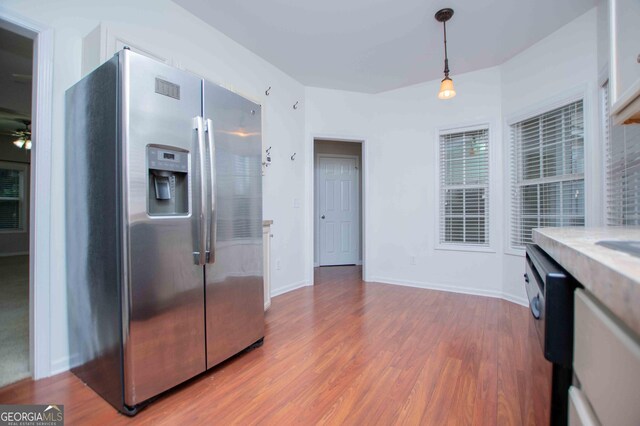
(612, 276)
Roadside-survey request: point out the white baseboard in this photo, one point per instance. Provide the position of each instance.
(515, 299)
(64, 364)
(60, 365)
(453, 289)
(317, 265)
(282, 290)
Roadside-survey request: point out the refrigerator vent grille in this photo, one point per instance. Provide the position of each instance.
(166, 88)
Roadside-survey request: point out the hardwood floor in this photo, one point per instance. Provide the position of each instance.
(346, 352)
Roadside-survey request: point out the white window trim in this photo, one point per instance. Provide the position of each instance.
(606, 143)
(24, 202)
(466, 127)
(572, 95)
(603, 80)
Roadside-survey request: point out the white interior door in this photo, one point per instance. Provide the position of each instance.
(338, 210)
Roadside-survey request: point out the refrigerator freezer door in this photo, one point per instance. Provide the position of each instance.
(163, 319)
(93, 243)
(234, 286)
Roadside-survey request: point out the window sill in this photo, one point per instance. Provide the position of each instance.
(13, 231)
(515, 252)
(465, 248)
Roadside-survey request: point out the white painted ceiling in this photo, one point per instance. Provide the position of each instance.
(377, 45)
(16, 64)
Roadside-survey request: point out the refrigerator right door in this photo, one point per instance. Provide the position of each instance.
(234, 275)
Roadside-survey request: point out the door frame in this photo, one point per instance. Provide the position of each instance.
(40, 178)
(310, 197)
(316, 203)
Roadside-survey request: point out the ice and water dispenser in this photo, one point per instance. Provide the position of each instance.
(168, 190)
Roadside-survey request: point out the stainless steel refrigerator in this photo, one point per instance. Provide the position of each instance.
(164, 227)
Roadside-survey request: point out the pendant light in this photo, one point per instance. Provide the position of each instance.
(446, 86)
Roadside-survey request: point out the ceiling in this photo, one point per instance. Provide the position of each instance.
(377, 45)
(16, 44)
(16, 65)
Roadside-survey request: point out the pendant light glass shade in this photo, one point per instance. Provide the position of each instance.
(446, 89)
(19, 143)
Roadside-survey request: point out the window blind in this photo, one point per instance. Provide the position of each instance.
(10, 198)
(464, 187)
(622, 146)
(547, 165)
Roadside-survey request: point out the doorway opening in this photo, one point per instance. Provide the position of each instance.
(338, 230)
(16, 65)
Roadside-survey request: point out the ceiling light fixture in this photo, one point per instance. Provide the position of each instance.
(446, 86)
(24, 137)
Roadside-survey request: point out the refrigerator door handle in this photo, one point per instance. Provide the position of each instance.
(213, 212)
(201, 254)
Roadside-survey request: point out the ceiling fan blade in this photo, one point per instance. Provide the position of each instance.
(22, 78)
(11, 114)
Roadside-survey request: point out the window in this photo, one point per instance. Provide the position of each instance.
(11, 197)
(464, 187)
(622, 146)
(547, 165)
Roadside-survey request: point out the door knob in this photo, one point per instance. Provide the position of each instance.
(535, 307)
(322, 217)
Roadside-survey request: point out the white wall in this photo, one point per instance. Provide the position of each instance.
(602, 16)
(162, 26)
(338, 115)
(399, 151)
(400, 129)
(562, 63)
(407, 149)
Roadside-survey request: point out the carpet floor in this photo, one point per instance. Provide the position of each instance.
(14, 319)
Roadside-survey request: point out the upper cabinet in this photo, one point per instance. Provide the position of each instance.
(106, 40)
(624, 27)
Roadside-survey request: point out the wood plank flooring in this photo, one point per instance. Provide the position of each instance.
(348, 352)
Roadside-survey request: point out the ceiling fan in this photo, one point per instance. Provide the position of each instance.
(23, 136)
(17, 126)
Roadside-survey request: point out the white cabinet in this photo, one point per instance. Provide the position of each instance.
(606, 362)
(624, 24)
(105, 40)
(266, 246)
